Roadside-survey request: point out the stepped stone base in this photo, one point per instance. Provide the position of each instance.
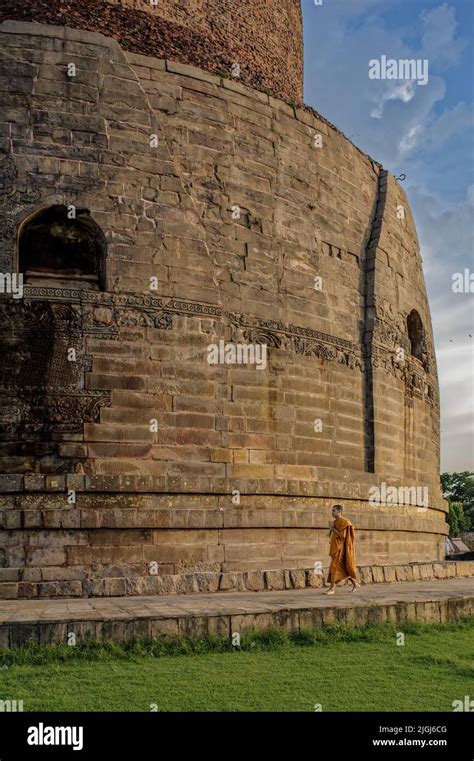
(124, 537)
(53, 621)
(242, 581)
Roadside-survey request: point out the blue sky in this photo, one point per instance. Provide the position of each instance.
(425, 132)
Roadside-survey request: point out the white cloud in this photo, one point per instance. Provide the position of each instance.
(390, 119)
(410, 140)
(403, 91)
(439, 38)
(452, 122)
(446, 239)
(456, 370)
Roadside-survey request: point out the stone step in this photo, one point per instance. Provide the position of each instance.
(126, 619)
(57, 582)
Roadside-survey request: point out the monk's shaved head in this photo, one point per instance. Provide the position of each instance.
(337, 509)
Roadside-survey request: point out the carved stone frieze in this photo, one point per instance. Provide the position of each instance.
(410, 372)
(42, 374)
(303, 341)
(59, 312)
(56, 413)
(390, 330)
(14, 199)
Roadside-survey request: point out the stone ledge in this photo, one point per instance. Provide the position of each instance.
(51, 622)
(355, 485)
(48, 515)
(14, 586)
(83, 36)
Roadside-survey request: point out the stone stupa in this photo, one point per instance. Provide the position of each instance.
(164, 190)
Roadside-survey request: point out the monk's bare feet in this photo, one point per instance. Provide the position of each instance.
(355, 585)
(329, 592)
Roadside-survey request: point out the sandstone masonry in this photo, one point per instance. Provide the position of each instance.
(179, 469)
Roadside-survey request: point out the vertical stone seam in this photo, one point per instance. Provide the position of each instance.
(369, 320)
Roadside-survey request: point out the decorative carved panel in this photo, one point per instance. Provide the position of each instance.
(43, 370)
(14, 199)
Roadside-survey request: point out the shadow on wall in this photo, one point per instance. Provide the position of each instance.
(42, 373)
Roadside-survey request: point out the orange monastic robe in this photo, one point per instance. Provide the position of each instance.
(342, 552)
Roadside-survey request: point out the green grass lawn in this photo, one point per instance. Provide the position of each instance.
(342, 669)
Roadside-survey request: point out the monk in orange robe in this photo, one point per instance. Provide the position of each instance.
(341, 551)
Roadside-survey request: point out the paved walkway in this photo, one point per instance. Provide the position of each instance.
(125, 618)
(229, 603)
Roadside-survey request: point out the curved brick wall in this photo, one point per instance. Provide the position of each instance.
(264, 37)
(168, 212)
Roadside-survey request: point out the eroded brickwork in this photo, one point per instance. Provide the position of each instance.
(264, 37)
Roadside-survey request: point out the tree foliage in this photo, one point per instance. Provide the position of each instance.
(458, 489)
(458, 522)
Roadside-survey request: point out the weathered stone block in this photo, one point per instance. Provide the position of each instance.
(254, 581)
(378, 574)
(416, 572)
(426, 571)
(450, 570)
(206, 582)
(55, 483)
(114, 587)
(9, 574)
(401, 572)
(274, 580)
(164, 626)
(231, 581)
(30, 574)
(365, 575)
(27, 590)
(314, 579)
(298, 579)
(11, 483)
(440, 571)
(8, 590)
(34, 482)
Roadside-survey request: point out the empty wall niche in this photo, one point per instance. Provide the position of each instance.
(61, 245)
